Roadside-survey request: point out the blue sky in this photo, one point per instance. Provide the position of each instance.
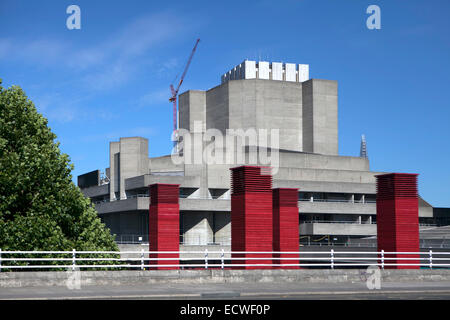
(111, 78)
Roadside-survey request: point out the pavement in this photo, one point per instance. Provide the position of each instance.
(215, 291)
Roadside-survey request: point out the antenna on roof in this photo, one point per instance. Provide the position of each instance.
(363, 149)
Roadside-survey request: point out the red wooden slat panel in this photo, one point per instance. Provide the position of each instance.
(251, 214)
(164, 223)
(285, 225)
(398, 216)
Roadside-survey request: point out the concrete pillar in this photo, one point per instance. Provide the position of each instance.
(127, 158)
(164, 223)
(398, 217)
(197, 227)
(320, 116)
(251, 214)
(285, 225)
(114, 169)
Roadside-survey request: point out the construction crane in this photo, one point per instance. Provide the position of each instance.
(174, 92)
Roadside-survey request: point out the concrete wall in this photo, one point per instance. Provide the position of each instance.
(338, 229)
(164, 164)
(203, 227)
(320, 116)
(129, 278)
(128, 158)
(262, 104)
(192, 107)
(133, 160)
(305, 113)
(217, 108)
(320, 161)
(197, 228)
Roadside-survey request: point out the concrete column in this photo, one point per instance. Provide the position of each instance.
(133, 160)
(197, 228)
(320, 116)
(114, 169)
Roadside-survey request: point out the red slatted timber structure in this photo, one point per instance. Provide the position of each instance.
(251, 214)
(164, 223)
(398, 217)
(285, 225)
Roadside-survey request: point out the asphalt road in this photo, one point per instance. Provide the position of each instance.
(271, 291)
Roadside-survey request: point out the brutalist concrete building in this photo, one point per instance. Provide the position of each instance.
(337, 193)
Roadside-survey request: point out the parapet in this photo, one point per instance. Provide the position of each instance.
(268, 70)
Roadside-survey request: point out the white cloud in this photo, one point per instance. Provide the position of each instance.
(109, 77)
(107, 64)
(60, 108)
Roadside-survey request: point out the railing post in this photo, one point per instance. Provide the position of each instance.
(382, 259)
(206, 258)
(332, 258)
(73, 259)
(222, 259)
(431, 259)
(0, 260)
(142, 259)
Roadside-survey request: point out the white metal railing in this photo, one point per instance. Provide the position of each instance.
(188, 239)
(338, 222)
(12, 260)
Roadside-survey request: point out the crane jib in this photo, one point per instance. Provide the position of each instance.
(174, 92)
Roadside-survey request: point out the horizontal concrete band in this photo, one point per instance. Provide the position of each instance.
(38, 279)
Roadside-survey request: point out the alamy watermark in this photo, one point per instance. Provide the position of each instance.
(374, 20)
(372, 277)
(74, 20)
(234, 147)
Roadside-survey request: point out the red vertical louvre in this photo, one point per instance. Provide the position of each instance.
(251, 214)
(398, 217)
(285, 225)
(164, 223)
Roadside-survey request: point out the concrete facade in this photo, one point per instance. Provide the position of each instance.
(320, 114)
(336, 193)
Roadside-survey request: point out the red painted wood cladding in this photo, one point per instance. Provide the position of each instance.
(164, 223)
(398, 217)
(251, 214)
(285, 225)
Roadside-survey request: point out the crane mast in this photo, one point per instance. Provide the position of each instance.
(174, 92)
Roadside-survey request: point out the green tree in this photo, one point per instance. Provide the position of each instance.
(40, 206)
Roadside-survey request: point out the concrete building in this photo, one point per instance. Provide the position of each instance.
(337, 193)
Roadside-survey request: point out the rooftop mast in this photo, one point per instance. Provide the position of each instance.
(363, 148)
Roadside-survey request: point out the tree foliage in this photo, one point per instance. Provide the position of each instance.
(40, 206)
